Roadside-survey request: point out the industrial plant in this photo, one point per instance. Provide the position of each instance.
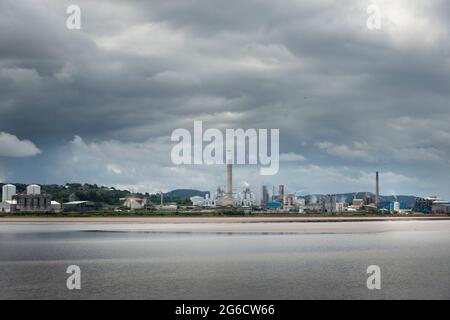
(271, 200)
(282, 202)
(31, 201)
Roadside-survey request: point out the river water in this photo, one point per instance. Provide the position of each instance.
(185, 261)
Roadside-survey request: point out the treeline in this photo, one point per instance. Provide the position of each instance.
(95, 193)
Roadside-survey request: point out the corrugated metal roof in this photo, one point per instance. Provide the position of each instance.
(76, 202)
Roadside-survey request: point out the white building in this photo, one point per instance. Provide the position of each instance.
(246, 198)
(8, 206)
(340, 207)
(33, 189)
(396, 206)
(56, 206)
(32, 201)
(169, 207)
(301, 201)
(209, 202)
(198, 201)
(8, 191)
(134, 203)
(223, 199)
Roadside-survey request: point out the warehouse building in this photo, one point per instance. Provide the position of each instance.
(32, 203)
(441, 207)
(81, 206)
(134, 203)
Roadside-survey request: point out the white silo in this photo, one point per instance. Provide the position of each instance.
(8, 192)
(33, 189)
(396, 206)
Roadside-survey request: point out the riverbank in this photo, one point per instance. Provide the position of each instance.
(256, 219)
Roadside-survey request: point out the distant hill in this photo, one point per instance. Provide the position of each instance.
(185, 193)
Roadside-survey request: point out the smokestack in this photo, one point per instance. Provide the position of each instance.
(229, 173)
(265, 196)
(229, 178)
(377, 189)
(281, 193)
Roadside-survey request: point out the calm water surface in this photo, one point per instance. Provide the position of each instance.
(170, 265)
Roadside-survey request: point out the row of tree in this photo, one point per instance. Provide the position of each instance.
(95, 193)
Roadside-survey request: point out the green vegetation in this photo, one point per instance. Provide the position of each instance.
(232, 212)
(136, 213)
(95, 193)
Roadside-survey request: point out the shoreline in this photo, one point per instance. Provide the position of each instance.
(175, 220)
(228, 225)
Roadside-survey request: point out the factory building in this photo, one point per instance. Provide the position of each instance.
(33, 203)
(422, 205)
(8, 206)
(289, 200)
(56, 206)
(329, 203)
(246, 198)
(332, 205)
(274, 205)
(340, 207)
(81, 206)
(209, 201)
(134, 203)
(425, 205)
(356, 205)
(197, 201)
(441, 207)
(281, 193)
(33, 200)
(265, 196)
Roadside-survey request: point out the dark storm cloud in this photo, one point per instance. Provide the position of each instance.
(347, 99)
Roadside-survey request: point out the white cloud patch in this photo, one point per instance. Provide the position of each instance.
(358, 151)
(114, 168)
(365, 152)
(11, 146)
(140, 166)
(20, 75)
(291, 156)
(321, 179)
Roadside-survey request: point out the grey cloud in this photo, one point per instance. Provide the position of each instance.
(138, 70)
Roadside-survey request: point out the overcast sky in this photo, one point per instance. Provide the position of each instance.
(98, 105)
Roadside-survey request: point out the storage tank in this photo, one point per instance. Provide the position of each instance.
(394, 206)
(33, 189)
(8, 191)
